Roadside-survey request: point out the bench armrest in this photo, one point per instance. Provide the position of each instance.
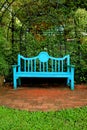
(71, 66)
(14, 66)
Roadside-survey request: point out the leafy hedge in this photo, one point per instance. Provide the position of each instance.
(5, 52)
(54, 45)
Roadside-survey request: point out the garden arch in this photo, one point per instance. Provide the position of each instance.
(44, 30)
(39, 28)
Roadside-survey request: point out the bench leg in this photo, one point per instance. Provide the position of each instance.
(15, 83)
(19, 81)
(72, 84)
(68, 81)
(72, 79)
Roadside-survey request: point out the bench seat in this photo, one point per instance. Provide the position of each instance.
(44, 74)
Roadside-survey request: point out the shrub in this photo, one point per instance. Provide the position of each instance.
(83, 62)
(4, 53)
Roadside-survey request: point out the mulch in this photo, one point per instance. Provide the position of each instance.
(43, 97)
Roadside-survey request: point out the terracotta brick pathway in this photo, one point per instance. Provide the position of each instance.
(43, 98)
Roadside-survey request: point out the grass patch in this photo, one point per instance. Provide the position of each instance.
(71, 119)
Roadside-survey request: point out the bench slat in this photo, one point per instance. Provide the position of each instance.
(58, 65)
(28, 66)
(62, 65)
(40, 66)
(31, 66)
(52, 65)
(25, 65)
(35, 65)
(43, 66)
(55, 65)
(47, 66)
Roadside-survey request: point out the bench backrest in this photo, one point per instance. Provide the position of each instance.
(43, 63)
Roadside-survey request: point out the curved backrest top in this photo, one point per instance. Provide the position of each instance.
(44, 57)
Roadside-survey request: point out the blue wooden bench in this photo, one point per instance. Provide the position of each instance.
(43, 66)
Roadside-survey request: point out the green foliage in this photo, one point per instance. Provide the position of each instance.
(3, 66)
(49, 43)
(83, 62)
(81, 33)
(42, 18)
(81, 18)
(70, 119)
(4, 54)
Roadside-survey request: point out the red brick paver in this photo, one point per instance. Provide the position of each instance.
(42, 98)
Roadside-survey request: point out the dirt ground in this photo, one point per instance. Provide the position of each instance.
(43, 97)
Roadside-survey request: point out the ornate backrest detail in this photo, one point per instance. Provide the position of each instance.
(43, 56)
